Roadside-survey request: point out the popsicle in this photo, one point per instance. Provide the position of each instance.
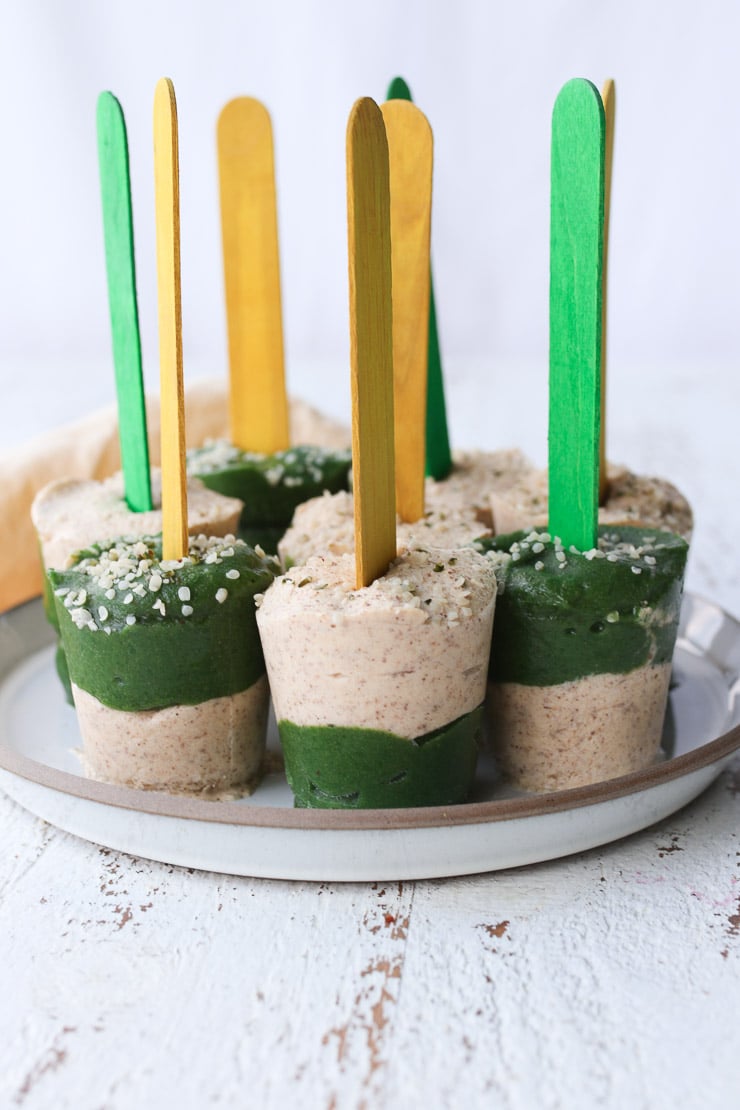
(587, 617)
(159, 632)
(385, 706)
(69, 514)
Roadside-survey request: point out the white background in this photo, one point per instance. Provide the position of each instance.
(486, 74)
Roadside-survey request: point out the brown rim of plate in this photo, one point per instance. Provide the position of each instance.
(468, 813)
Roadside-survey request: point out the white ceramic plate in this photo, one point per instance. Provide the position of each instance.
(265, 836)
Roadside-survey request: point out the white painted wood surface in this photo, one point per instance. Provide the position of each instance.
(609, 979)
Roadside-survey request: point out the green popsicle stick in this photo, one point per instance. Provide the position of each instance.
(118, 232)
(576, 257)
(438, 457)
(398, 90)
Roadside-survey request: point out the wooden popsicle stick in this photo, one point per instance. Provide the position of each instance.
(371, 341)
(410, 146)
(258, 403)
(608, 96)
(576, 242)
(438, 454)
(167, 211)
(118, 233)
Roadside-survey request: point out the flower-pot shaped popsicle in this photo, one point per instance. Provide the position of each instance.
(165, 662)
(374, 661)
(161, 641)
(588, 617)
(581, 658)
(378, 691)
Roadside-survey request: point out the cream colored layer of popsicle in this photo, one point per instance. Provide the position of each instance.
(580, 732)
(474, 477)
(206, 748)
(69, 515)
(326, 525)
(632, 499)
(458, 509)
(308, 425)
(407, 654)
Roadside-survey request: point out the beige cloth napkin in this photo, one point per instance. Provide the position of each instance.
(89, 449)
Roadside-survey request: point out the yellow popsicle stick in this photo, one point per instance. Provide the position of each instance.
(258, 402)
(410, 147)
(371, 341)
(167, 211)
(608, 96)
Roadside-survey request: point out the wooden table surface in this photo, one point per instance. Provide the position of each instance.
(607, 979)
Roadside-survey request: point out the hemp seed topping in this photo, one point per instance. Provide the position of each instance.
(129, 573)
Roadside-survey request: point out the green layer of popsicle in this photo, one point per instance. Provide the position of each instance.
(332, 767)
(562, 615)
(271, 486)
(172, 634)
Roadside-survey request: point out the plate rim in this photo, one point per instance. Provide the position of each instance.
(226, 812)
